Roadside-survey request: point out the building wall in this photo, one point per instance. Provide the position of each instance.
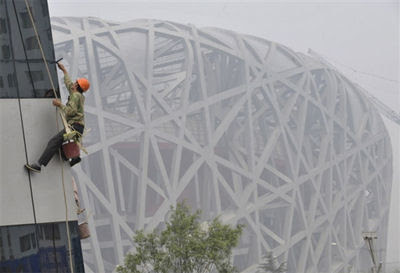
(238, 126)
(32, 205)
(39, 119)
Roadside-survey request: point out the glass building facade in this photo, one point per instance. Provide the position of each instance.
(22, 70)
(31, 239)
(39, 248)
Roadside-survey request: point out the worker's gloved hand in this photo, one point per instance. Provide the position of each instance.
(57, 102)
(61, 67)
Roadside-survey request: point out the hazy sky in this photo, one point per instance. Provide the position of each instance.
(360, 37)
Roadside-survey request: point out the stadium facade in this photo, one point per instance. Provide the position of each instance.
(238, 126)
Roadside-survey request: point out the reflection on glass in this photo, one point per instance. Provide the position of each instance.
(41, 248)
(21, 62)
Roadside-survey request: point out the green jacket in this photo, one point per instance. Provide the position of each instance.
(74, 112)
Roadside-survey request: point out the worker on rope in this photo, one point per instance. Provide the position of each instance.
(74, 115)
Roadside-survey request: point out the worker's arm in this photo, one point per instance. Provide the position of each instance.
(67, 80)
(68, 83)
(71, 108)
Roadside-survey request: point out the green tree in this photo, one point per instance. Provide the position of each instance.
(184, 246)
(271, 264)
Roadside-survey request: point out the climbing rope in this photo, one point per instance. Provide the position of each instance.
(66, 129)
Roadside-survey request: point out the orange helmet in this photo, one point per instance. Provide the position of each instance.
(83, 83)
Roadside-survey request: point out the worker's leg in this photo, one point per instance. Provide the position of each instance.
(80, 128)
(52, 148)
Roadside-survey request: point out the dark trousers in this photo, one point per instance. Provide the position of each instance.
(55, 143)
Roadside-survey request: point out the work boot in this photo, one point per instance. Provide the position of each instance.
(33, 167)
(74, 161)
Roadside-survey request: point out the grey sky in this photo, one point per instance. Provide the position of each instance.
(360, 34)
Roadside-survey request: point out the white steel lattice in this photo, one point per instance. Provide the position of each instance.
(238, 126)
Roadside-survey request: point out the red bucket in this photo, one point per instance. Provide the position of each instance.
(71, 149)
(83, 230)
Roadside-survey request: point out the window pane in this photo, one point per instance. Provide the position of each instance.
(25, 243)
(3, 28)
(5, 50)
(31, 43)
(26, 21)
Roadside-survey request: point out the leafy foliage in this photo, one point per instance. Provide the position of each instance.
(185, 246)
(271, 264)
